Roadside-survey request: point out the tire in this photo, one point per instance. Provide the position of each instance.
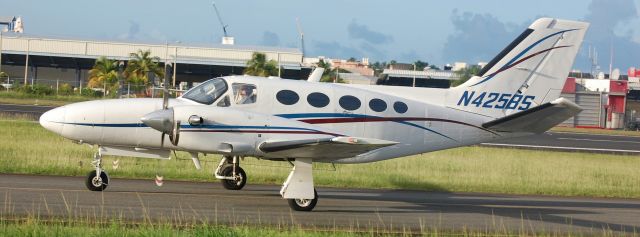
(95, 183)
(304, 204)
(234, 184)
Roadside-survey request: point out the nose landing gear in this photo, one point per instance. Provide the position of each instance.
(97, 180)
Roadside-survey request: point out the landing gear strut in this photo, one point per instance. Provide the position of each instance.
(230, 174)
(298, 189)
(97, 180)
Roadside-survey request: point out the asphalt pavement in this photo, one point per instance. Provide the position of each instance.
(383, 210)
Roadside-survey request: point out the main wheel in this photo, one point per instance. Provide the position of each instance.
(95, 182)
(239, 181)
(304, 204)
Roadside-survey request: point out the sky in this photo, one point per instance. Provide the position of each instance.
(438, 32)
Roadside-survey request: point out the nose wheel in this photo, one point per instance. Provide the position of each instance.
(97, 180)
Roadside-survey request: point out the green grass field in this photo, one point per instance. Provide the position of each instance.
(28, 148)
(34, 226)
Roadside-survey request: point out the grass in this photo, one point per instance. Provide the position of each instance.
(12, 97)
(28, 148)
(596, 131)
(34, 226)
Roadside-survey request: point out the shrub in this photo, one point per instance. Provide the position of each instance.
(65, 89)
(40, 89)
(90, 92)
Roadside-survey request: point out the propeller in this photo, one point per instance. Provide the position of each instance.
(164, 120)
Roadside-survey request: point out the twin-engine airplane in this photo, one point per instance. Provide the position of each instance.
(302, 122)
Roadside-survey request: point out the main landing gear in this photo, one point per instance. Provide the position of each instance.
(298, 190)
(97, 180)
(230, 174)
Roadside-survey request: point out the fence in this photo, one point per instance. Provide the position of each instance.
(67, 87)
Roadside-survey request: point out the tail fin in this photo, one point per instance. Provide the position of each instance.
(529, 72)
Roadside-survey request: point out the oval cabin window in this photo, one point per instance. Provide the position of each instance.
(318, 100)
(400, 107)
(287, 97)
(377, 105)
(349, 102)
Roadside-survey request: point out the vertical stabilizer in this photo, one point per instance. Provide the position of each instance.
(530, 71)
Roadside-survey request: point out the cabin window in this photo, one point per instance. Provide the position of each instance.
(318, 100)
(244, 93)
(287, 97)
(377, 105)
(400, 107)
(349, 102)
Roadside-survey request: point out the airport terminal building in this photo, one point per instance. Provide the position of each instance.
(49, 60)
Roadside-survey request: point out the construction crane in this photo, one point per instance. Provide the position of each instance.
(226, 39)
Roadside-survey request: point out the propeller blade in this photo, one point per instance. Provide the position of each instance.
(165, 89)
(175, 134)
(162, 140)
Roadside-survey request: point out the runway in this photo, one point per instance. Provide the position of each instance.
(384, 210)
(582, 142)
(560, 141)
(33, 111)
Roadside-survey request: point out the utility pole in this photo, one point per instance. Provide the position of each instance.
(26, 62)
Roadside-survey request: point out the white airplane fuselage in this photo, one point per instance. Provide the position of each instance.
(423, 127)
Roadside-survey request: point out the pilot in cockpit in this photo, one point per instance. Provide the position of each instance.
(245, 95)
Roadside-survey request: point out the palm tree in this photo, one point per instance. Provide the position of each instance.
(259, 66)
(141, 65)
(103, 71)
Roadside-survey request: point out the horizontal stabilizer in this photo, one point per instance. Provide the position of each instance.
(538, 119)
(337, 147)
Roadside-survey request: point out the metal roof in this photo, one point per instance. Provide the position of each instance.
(230, 55)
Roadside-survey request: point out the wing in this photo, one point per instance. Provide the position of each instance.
(324, 148)
(538, 119)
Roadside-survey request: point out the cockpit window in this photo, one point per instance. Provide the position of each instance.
(207, 92)
(244, 93)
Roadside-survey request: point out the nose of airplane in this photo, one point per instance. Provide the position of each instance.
(53, 120)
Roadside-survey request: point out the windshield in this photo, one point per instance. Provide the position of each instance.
(207, 92)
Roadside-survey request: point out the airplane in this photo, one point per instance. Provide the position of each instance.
(301, 122)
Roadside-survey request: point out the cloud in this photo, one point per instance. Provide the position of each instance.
(132, 33)
(477, 37)
(270, 39)
(333, 49)
(362, 32)
(605, 17)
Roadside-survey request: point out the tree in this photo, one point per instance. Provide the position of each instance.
(465, 74)
(259, 66)
(420, 65)
(104, 71)
(352, 59)
(141, 65)
(329, 75)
